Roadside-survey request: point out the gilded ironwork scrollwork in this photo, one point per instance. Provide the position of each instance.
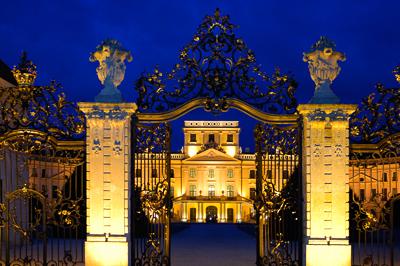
(154, 201)
(152, 255)
(279, 255)
(277, 199)
(38, 107)
(372, 214)
(151, 190)
(24, 194)
(64, 212)
(216, 65)
(277, 140)
(152, 139)
(378, 115)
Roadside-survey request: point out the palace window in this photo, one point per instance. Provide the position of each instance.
(210, 173)
(373, 192)
(230, 173)
(252, 174)
(385, 177)
(229, 138)
(193, 138)
(229, 191)
(211, 138)
(394, 192)
(34, 172)
(211, 190)
(192, 172)
(192, 190)
(252, 193)
(171, 191)
(394, 176)
(43, 173)
(172, 173)
(384, 193)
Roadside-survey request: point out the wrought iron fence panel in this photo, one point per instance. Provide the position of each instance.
(374, 195)
(278, 202)
(42, 206)
(150, 194)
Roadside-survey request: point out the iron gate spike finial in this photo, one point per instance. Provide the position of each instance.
(217, 13)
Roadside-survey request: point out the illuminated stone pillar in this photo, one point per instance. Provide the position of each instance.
(199, 212)
(326, 183)
(108, 158)
(184, 213)
(239, 215)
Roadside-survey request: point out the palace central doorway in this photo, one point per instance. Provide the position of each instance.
(212, 214)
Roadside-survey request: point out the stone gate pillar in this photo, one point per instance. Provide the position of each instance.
(325, 168)
(326, 183)
(107, 186)
(108, 157)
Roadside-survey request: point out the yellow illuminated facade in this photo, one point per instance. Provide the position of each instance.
(212, 179)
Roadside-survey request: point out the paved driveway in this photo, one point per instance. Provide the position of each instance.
(213, 244)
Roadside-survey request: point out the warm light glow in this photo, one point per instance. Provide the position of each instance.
(231, 150)
(317, 255)
(106, 253)
(192, 150)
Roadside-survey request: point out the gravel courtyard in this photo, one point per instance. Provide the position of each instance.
(213, 244)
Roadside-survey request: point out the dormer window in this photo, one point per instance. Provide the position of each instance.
(211, 138)
(193, 138)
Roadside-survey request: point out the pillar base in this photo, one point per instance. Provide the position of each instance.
(328, 255)
(106, 253)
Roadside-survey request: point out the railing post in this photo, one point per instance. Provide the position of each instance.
(325, 167)
(260, 249)
(108, 158)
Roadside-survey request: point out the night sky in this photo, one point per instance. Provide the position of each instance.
(59, 36)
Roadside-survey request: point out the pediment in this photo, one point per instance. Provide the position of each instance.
(360, 176)
(212, 155)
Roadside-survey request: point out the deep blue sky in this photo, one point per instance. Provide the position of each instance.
(59, 36)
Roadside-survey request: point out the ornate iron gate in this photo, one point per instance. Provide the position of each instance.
(216, 71)
(42, 175)
(374, 191)
(150, 194)
(374, 178)
(42, 209)
(278, 203)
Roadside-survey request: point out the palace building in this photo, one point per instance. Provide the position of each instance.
(212, 179)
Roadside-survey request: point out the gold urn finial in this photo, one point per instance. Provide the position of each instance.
(25, 72)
